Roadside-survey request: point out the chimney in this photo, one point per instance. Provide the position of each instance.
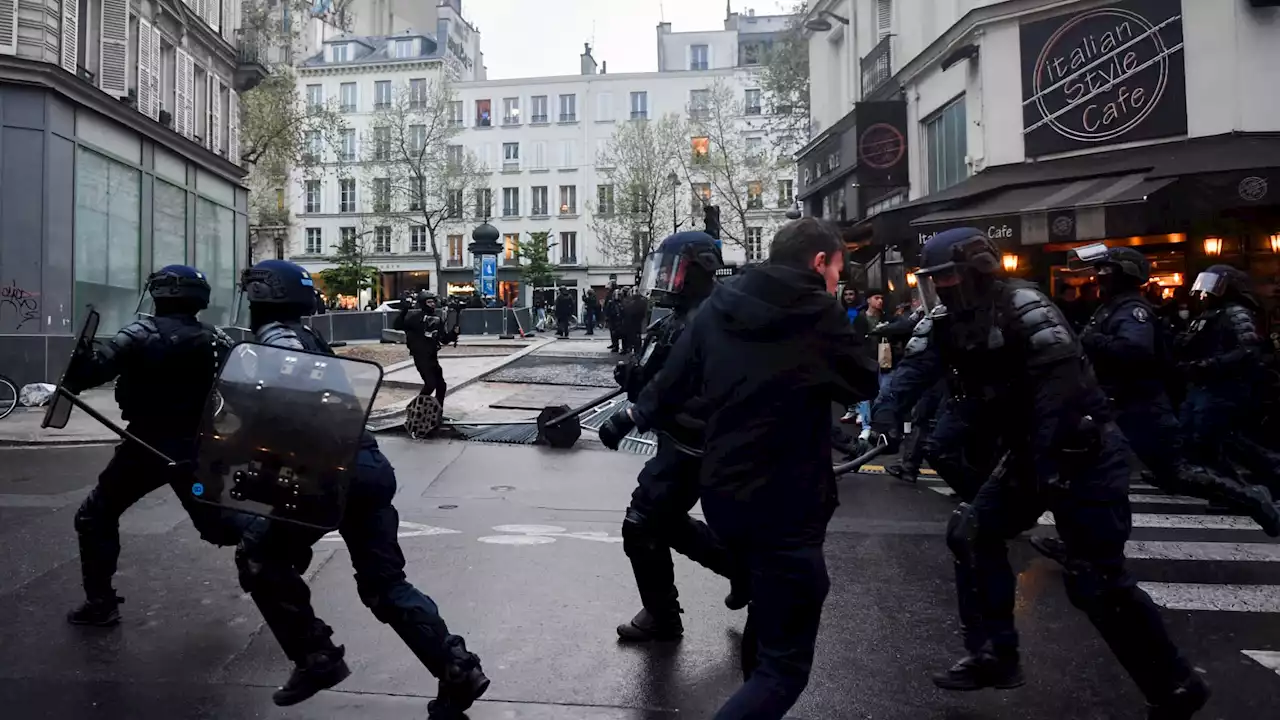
(604, 67)
(588, 62)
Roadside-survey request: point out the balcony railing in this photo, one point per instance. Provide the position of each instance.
(568, 117)
(538, 118)
(568, 260)
(877, 67)
(639, 114)
(251, 66)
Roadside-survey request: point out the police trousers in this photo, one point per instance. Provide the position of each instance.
(1093, 519)
(962, 446)
(273, 556)
(132, 474)
(657, 521)
(1210, 417)
(432, 376)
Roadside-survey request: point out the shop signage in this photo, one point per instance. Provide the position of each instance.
(882, 144)
(1062, 225)
(489, 276)
(1005, 230)
(1103, 76)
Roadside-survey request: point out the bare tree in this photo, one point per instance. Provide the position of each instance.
(732, 164)
(411, 161)
(636, 206)
(784, 83)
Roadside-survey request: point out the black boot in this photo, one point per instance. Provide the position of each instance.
(904, 472)
(646, 627)
(1183, 703)
(320, 671)
(984, 670)
(98, 612)
(739, 595)
(1051, 547)
(1238, 496)
(458, 693)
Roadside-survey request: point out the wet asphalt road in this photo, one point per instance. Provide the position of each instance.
(520, 548)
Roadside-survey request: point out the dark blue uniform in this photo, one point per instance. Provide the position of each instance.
(1041, 399)
(1222, 353)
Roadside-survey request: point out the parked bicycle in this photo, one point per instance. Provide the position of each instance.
(8, 396)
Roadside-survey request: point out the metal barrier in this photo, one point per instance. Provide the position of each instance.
(349, 326)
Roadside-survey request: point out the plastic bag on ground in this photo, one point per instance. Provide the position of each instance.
(36, 394)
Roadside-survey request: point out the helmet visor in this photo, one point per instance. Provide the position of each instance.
(663, 273)
(1208, 283)
(936, 284)
(1086, 258)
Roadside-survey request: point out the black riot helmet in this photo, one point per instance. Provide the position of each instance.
(427, 300)
(178, 289)
(682, 270)
(1118, 269)
(958, 269)
(1219, 283)
(278, 291)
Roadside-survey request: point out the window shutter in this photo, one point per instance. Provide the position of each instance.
(113, 76)
(215, 15)
(215, 114)
(70, 33)
(884, 18)
(154, 68)
(233, 125)
(8, 27)
(184, 96)
(202, 9)
(145, 98)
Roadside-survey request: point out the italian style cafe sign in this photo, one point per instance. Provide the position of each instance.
(1102, 76)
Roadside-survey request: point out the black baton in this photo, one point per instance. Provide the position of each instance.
(856, 464)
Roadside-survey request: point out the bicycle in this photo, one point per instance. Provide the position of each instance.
(8, 396)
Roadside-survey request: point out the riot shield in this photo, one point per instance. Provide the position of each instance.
(281, 437)
(59, 410)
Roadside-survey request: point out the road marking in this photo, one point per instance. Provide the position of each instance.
(1213, 551)
(1181, 522)
(1225, 598)
(517, 539)
(406, 530)
(1269, 659)
(542, 534)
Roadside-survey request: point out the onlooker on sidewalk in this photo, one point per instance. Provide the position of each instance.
(865, 321)
(613, 317)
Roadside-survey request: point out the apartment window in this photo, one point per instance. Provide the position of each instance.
(279, 248)
(568, 248)
(884, 19)
(946, 146)
(484, 203)
(699, 104)
(510, 202)
(511, 249)
(453, 203)
(348, 145)
(639, 105)
(699, 57)
(453, 155)
(382, 94)
(347, 237)
(539, 108)
(313, 147)
(455, 250)
(755, 195)
(751, 53)
(568, 154)
(418, 94)
(313, 196)
(568, 199)
(604, 200)
(636, 201)
(511, 156)
(604, 107)
(701, 147)
(641, 239)
(455, 113)
(752, 103)
(540, 155)
(510, 111)
(382, 195)
(417, 138)
(786, 193)
(382, 239)
(341, 53)
(417, 239)
(315, 96)
(348, 97)
(313, 241)
(347, 195)
(406, 49)
(755, 150)
(484, 117)
(382, 143)
(539, 200)
(701, 197)
(568, 108)
(755, 244)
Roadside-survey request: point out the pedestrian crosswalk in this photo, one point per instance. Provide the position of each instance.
(1192, 557)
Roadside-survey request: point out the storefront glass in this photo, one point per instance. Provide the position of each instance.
(169, 217)
(107, 238)
(216, 257)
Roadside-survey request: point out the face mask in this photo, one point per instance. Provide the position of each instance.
(1184, 314)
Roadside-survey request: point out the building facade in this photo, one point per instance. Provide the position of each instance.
(119, 135)
(1051, 124)
(541, 142)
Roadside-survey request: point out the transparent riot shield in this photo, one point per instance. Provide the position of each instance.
(281, 433)
(59, 410)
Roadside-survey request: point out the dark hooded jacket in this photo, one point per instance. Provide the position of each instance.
(770, 352)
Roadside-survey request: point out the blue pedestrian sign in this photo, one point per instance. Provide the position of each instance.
(489, 276)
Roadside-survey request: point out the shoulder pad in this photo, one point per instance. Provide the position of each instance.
(280, 335)
(138, 330)
(1042, 327)
(221, 339)
(916, 345)
(1241, 322)
(923, 328)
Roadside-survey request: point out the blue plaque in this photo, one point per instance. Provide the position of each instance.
(489, 276)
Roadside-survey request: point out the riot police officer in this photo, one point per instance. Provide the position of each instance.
(1130, 352)
(679, 275)
(272, 556)
(1005, 344)
(425, 333)
(164, 367)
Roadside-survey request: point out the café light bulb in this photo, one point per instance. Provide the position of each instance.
(1213, 246)
(1009, 261)
(911, 279)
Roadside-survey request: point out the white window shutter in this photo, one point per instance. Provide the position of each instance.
(233, 128)
(70, 33)
(153, 65)
(145, 97)
(8, 27)
(113, 65)
(209, 80)
(215, 114)
(184, 97)
(214, 15)
(202, 9)
(884, 18)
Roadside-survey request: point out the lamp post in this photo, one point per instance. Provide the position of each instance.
(674, 180)
(793, 212)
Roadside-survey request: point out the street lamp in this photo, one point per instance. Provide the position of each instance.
(674, 180)
(820, 23)
(793, 212)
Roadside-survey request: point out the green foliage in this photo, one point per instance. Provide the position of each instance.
(351, 275)
(537, 269)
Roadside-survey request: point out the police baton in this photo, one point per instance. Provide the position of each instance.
(856, 464)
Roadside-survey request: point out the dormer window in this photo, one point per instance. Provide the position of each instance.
(342, 53)
(406, 48)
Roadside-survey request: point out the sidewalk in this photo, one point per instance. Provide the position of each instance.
(23, 426)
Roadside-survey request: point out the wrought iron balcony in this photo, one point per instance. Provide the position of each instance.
(251, 64)
(877, 67)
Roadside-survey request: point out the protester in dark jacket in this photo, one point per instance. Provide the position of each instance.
(634, 312)
(770, 352)
(590, 310)
(564, 312)
(613, 318)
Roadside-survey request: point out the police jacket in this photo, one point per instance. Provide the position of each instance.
(164, 368)
(633, 313)
(1026, 370)
(684, 423)
(424, 332)
(296, 336)
(767, 353)
(1223, 347)
(564, 306)
(1126, 343)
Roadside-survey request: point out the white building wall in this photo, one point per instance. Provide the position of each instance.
(674, 48)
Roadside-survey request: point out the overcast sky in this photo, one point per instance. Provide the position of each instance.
(533, 38)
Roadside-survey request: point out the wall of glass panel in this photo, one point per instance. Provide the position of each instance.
(169, 227)
(216, 255)
(946, 145)
(107, 237)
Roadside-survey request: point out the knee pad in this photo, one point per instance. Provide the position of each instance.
(962, 533)
(636, 537)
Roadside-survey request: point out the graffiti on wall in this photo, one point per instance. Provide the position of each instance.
(22, 306)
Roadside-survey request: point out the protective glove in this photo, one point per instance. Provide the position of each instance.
(622, 373)
(616, 428)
